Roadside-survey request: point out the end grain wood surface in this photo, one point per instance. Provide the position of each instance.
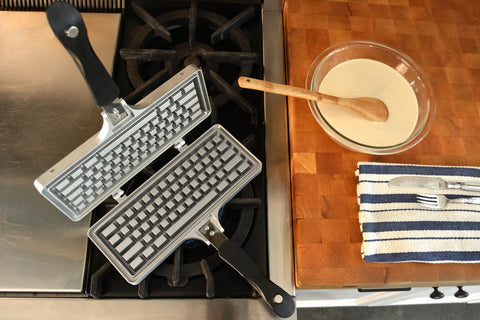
(443, 37)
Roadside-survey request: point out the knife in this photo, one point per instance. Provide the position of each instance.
(431, 183)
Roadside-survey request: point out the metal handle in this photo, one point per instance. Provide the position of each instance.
(470, 187)
(277, 298)
(473, 200)
(67, 24)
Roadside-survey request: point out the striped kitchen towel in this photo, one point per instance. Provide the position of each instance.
(396, 229)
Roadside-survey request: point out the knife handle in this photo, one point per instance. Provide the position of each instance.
(68, 26)
(470, 187)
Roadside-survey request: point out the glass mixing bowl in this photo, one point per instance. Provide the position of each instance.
(389, 56)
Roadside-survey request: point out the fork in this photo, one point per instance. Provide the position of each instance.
(439, 201)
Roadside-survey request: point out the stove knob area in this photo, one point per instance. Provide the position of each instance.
(436, 294)
(461, 293)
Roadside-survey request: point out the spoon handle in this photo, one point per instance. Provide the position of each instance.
(370, 108)
(283, 89)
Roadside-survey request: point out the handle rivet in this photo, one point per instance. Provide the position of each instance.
(277, 299)
(211, 233)
(72, 32)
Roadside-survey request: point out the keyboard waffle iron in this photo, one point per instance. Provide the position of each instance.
(181, 201)
(131, 137)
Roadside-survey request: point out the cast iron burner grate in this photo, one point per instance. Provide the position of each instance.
(167, 43)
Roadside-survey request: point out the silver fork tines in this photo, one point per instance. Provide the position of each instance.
(439, 201)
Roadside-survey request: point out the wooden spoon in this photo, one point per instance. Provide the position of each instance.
(370, 108)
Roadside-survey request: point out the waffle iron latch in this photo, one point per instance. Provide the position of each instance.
(180, 145)
(119, 196)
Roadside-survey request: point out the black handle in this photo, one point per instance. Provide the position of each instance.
(436, 294)
(67, 24)
(277, 298)
(461, 293)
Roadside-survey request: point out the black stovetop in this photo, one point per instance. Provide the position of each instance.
(195, 270)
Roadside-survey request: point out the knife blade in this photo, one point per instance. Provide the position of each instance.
(431, 183)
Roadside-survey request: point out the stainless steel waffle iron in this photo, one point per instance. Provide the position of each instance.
(131, 136)
(180, 201)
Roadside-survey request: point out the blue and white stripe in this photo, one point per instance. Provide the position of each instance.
(396, 229)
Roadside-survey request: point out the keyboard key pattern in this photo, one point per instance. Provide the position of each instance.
(97, 175)
(137, 235)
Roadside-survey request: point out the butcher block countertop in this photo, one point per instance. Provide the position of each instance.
(443, 37)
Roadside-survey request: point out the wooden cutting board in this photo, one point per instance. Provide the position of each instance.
(443, 37)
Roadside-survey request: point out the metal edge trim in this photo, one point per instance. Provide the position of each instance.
(81, 309)
(280, 243)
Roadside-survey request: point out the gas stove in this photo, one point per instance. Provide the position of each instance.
(157, 40)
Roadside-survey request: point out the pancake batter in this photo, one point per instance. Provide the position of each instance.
(369, 78)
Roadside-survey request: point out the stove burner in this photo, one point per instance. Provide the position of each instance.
(165, 44)
(154, 51)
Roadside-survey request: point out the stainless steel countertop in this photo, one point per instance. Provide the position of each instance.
(47, 111)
